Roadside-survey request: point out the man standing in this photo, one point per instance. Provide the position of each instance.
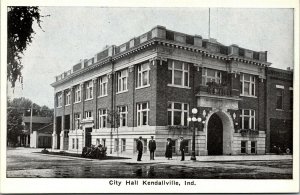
(139, 148)
(152, 147)
(182, 148)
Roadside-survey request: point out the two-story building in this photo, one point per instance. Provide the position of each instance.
(149, 86)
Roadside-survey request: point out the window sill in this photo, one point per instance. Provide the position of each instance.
(77, 102)
(67, 105)
(145, 86)
(277, 109)
(59, 107)
(122, 91)
(102, 96)
(88, 99)
(250, 96)
(178, 86)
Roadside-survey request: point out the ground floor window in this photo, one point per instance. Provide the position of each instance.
(77, 143)
(73, 143)
(123, 145)
(145, 145)
(173, 143)
(253, 147)
(187, 146)
(103, 142)
(243, 147)
(97, 141)
(116, 145)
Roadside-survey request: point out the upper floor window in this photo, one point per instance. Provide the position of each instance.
(103, 86)
(89, 90)
(59, 100)
(77, 120)
(177, 113)
(77, 93)
(122, 80)
(143, 74)
(210, 75)
(247, 118)
(102, 118)
(142, 114)
(123, 115)
(247, 84)
(88, 114)
(178, 73)
(279, 98)
(68, 98)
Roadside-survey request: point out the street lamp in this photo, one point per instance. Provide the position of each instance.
(194, 119)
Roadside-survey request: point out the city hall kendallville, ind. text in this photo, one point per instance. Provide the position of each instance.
(149, 85)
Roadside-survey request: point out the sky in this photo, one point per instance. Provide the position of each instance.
(73, 33)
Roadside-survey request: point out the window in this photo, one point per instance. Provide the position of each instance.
(68, 98)
(247, 85)
(247, 119)
(88, 114)
(123, 115)
(291, 98)
(89, 90)
(103, 86)
(187, 144)
(73, 143)
(253, 147)
(279, 98)
(123, 145)
(173, 143)
(178, 73)
(143, 74)
(142, 114)
(177, 113)
(102, 118)
(103, 142)
(77, 120)
(122, 80)
(97, 141)
(243, 147)
(77, 143)
(77, 94)
(59, 100)
(145, 145)
(116, 149)
(210, 75)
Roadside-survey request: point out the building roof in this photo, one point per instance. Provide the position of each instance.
(37, 119)
(162, 36)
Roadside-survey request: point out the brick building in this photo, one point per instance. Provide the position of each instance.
(279, 108)
(149, 85)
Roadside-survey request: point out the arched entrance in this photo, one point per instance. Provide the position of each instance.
(215, 136)
(219, 130)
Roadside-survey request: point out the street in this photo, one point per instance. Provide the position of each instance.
(27, 163)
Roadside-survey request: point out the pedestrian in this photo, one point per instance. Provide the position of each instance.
(169, 149)
(182, 148)
(139, 148)
(152, 147)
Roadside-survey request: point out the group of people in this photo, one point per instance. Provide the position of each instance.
(152, 148)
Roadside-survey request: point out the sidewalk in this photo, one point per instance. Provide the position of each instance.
(176, 159)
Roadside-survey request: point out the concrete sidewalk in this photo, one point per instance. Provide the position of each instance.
(176, 159)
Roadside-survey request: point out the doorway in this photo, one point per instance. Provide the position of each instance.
(215, 135)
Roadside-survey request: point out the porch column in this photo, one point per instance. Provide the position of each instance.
(54, 136)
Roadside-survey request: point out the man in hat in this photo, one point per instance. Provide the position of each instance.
(139, 148)
(152, 147)
(182, 148)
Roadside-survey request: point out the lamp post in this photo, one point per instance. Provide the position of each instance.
(193, 119)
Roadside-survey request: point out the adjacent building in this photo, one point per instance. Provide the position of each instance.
(149, 86)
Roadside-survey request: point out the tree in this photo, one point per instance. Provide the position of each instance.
(14, 126)
(19, 36)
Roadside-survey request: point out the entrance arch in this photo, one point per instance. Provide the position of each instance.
(219, 133)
